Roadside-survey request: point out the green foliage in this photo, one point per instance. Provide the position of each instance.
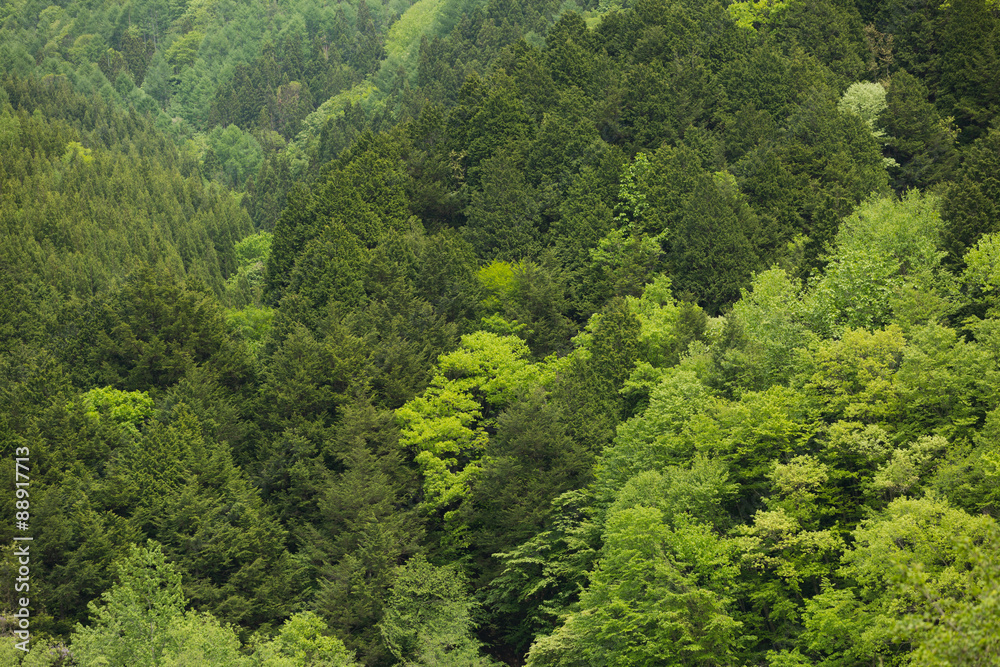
(363, 524)
(541, 576)
(729, 465)
(655, 597)
(824, 165)
(970, 476)
(666, 326)
(710, 246)
(657, 437)
(174, 487)
(766, 327)
(699, 491)
(885, 267)
(529, 461)
(329, 269)
(749, 15)
(908, 565)
(428, 620)
(919, 139)
(150, 331)
(127, 410)
(503, 217)
(854, 375)
(945, 382)
(403, 39)
(497, 278)
(446, 426)
(585, 218)
(131, 626)
(868, 101)
(969, 52)
(983, 264)
(95, 209)
(251, 325)
(301, 640)
(590, 380)
(526, 299)
(233, 152)
(970, 205)
(955, 631)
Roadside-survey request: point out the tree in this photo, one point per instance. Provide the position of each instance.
(766, 328)
(656, 597)
(970, 52)
(329, 268)
(655, 438)
(711, 250)
(131, 626)
(428, 621)
(364, 523)
(447, 425)
(886, 266)
(832, 32)
(867, 100)
(667, 326)
(919, 139)
(302, 640)
(173, 486)
(825, 164)
(585, 217)
(957, 630)
(503, 217)
(946, 383)
(528, 462)
(149, 331)
(908, 566)
(530, 299)
(854, 375)
(971, 206)
(590, 380)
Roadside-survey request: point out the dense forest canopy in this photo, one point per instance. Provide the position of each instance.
(482, 332)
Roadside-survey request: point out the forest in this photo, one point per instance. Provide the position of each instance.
(472, 333)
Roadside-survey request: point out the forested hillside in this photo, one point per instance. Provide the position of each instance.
(500, 332)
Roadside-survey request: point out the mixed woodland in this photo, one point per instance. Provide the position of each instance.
(501, 332)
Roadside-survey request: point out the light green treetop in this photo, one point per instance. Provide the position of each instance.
(747, 14)
(885, 263)
(447, 425)
(128, 410)
(302, 642)
(142, 622)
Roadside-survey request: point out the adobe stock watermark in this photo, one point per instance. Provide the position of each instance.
(22, 583)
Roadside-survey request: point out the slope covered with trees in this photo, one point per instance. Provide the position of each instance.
(466, 332)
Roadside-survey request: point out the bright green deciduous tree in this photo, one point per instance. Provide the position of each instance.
(131, 626)
(127, 410)
(659, 436)
(867, 100)
(854, 375)
(764, 329)
(666, 325)
(428, 620)
(446, 425)
(142, 621)
(658, 596)
(302, 640)
(918, 578)
(886, 266)
(752, 13)
(946, 383)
